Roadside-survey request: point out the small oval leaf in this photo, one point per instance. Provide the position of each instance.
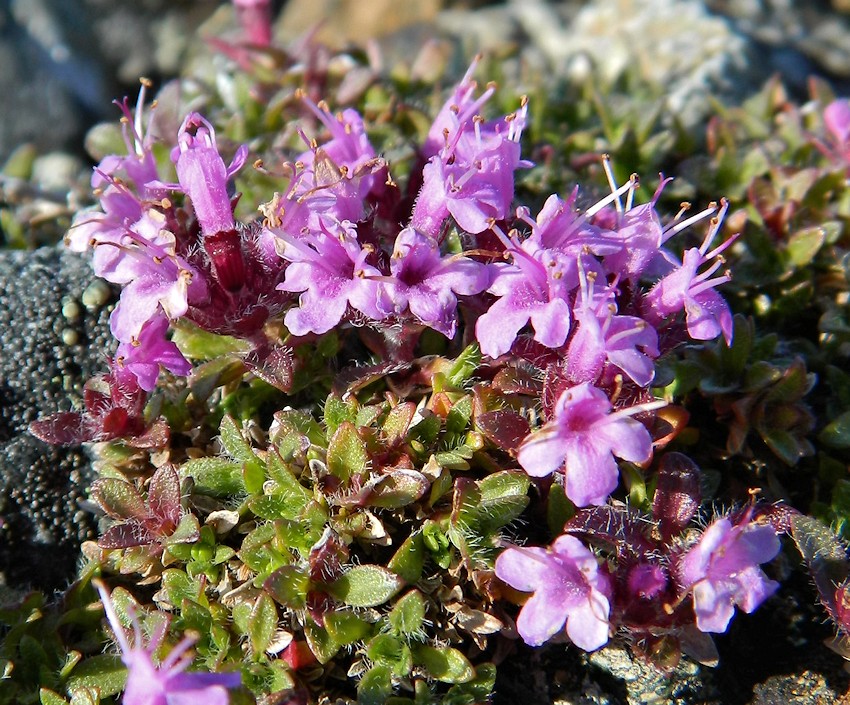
(366, 586)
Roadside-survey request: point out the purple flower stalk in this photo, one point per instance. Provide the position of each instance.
(722, 570)
(166, 683)
(470, 173)
(569, 588)
(584, 436)
(255, 16)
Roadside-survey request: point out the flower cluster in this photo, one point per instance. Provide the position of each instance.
(562, 315)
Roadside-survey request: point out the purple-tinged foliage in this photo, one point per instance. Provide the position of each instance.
(114, 408)
(569, 588)
(144, 522)
(167, 683)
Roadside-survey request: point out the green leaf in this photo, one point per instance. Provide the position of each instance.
(559, 509)
(397, 423)
(465, 366)
(286, 481)
(187, 531)
(408, 614)
(253, 476)
(837, 433)
(804, 244)
(233, 441)
(409, 559)
(397, 489)
(338, 411)
(198, 344)
(262, 623)
(118, 498)
(276, 506)
(324, 648)
(217, 477)
(288, 585)
(392, 651)
(443, 664)
(366, 586)
(103, 671)
(48, 697)
(507, 483)
(346, 627)
(85, 696)
(347, 454)
(477, 690)
(375, 686)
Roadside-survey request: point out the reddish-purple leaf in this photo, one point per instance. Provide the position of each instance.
(504, 427)
(677, 495)
(64, 429)
(274, 365)
(164, 498)
(124, 535)
(618, 527)
(119, 499)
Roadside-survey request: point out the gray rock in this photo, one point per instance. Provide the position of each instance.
(52, 344)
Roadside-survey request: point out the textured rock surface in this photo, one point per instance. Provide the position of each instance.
(52, 342)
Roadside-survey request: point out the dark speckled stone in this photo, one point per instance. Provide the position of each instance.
(46, 358)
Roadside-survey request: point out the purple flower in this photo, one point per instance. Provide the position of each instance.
(560, 227)
(203, 175)
(428, 284)
(166, 683)
(707, 314)
(458, 109)
(722, 570)
(143, 356)
(836, 119)
(533, 288)
(586, 436)
(471, 178)
(348, 148)
(568, 588)
(627, 342)
(155, 278)
(331, 271)
(255, 16)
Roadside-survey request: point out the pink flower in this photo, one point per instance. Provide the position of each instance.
(568, 589)
(534, 288)
(429, 284)
(143, 356)
(585, 436)
(330, 270)
(707, 314)
(722, 570)
(203, 175)
(166, 683)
